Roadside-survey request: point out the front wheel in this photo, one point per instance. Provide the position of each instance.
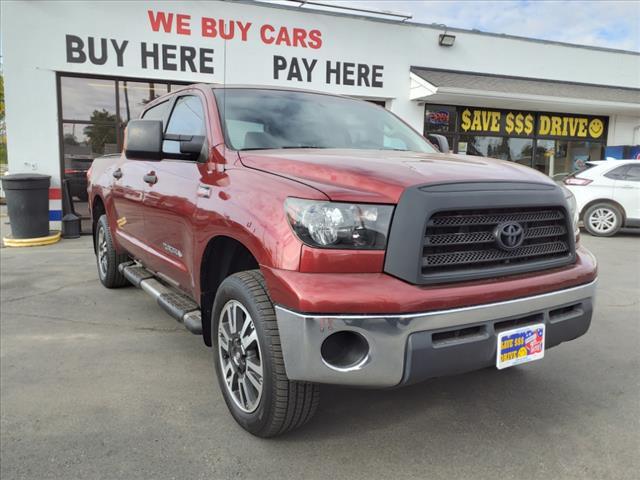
(603, 219)
(249, 364)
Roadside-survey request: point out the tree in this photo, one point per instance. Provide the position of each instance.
(70, 139)
(102, 130)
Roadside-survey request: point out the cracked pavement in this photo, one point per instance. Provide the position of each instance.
(98, 383)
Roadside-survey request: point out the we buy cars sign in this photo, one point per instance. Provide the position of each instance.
(199, 57)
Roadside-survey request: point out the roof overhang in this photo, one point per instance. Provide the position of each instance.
(465, 89)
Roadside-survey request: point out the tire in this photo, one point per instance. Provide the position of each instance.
(107, 259)
(603, 219)
(280, 405)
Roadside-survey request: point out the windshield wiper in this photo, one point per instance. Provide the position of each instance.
(300, 146)
(285, 147)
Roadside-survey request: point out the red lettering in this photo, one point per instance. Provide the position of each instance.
(209, 27)
(183, 24)
(223, 33)
(283, 37)
(291, 37)
(299, 36)
(315, 39)
(159, 19)
(244, 29)
(263, 33)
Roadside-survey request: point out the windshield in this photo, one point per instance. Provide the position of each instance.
(256, 119)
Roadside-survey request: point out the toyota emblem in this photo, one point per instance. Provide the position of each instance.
(509, 235)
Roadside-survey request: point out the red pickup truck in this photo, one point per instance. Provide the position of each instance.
(313, 238)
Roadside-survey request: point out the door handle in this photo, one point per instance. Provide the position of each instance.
(117, 174)
(150, 178)
(204, 191)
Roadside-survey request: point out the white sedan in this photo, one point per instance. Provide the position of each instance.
(608, 195)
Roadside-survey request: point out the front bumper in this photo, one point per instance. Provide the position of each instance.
(404, 349)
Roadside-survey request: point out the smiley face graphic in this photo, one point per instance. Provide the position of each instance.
(596, 127)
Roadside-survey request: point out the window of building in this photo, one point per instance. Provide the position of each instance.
(518, 150)
(571, 155)
(440, 119)
(134, 96)
(88, 99)
(94, 112)
(559, 158)
(380, 103)
(548, 142)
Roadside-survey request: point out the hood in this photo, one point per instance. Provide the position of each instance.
(376, 176)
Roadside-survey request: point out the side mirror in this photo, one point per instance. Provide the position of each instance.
(143, 140)
(439, 141)
(183, 147)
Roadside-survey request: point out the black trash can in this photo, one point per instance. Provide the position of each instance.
(27, 196)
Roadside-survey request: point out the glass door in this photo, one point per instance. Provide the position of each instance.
(94, 113)
(559, 158)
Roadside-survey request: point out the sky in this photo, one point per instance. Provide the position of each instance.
(608, 23)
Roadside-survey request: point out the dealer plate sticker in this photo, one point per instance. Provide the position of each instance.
(520, 345)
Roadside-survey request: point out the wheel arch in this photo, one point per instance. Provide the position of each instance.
(603, 200)
(223, 256)
(97, 209)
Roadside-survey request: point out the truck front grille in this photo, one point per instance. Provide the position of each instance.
(468, 239)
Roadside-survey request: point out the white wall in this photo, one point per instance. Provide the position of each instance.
(33, 37)
(624, 130)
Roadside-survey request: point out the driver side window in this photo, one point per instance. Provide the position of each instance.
(187, 118)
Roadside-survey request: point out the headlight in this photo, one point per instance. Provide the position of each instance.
(573, 209)
(339, 225)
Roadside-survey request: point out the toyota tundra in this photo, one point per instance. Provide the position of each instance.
(317, 239)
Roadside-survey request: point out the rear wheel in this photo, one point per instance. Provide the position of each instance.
(249, 364)
(603, 219)
(106, 256)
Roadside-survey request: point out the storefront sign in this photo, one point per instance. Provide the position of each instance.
(438, 118)
(171, 57)
(528, 124)
(570, 126)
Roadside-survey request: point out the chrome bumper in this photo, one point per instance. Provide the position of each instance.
(403, 349)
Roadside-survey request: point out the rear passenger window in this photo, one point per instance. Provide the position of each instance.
(617, 173)
(633, 174)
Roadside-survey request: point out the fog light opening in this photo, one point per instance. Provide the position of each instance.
(344, 350)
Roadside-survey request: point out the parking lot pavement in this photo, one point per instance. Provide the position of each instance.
(100, 383)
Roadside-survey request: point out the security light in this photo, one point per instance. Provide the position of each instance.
(446, 40)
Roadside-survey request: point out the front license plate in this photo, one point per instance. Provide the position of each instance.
(520, 345)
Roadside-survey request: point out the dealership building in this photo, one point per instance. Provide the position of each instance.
(77, 72)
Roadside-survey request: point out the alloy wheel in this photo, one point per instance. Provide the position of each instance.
(602, 220)
(103, 257)
(240, 356)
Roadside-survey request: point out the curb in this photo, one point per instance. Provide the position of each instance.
(54, 237)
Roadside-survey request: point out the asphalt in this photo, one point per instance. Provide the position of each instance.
(101, 384)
